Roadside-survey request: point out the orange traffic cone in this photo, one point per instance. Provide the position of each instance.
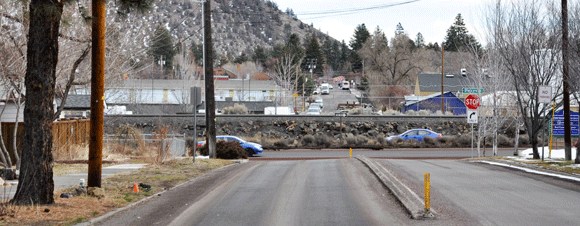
(135, 188)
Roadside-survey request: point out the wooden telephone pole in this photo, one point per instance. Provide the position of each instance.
(97, 94)
(209, 85)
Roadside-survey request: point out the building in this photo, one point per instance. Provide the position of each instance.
(428, 84)
(433, 103)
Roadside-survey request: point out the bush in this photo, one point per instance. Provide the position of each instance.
(504, 141)
(357, 140)
(279, 144)
(525, 140)
(464, 140)
(237, 109)
(431, 142)
(308, 139)
(226, 150)
(323, 141)
(448, 141)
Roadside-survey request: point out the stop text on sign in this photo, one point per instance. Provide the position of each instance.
(472, 102)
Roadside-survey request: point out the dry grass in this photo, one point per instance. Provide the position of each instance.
(118, 193)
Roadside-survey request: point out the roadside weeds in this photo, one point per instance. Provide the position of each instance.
(118, 191)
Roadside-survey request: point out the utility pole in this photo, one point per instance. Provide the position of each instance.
(442, 76)
(97, 94)
(566, 92)
(209, 85)
(311, 66)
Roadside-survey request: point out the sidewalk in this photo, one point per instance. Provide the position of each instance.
(73, 179)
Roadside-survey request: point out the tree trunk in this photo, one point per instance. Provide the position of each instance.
(35, 184)
(517, 141)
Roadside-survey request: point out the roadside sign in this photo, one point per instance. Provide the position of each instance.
(545, 94)
(559, 125)
(472, 101)
(471, 90)
(472, 116)
(295, 95)
(340, 114)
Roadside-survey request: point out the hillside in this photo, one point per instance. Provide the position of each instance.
(237, 25)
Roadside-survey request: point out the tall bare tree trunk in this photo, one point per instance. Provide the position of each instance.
(35, 184)
(517, 141)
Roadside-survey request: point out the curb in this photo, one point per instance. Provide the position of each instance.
(411, 201)
(113, 212)
(572, 177)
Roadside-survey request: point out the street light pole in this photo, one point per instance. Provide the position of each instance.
(442, 76)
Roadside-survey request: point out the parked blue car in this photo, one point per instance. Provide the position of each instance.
(250, 147)
(415, 134)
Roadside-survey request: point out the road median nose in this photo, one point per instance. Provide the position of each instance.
(411, 201)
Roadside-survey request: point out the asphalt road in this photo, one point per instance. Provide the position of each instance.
(409, 153)
(335, 97)
(491, 195)
(314, 192)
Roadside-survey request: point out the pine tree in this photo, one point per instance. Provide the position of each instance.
(458, 39)
(241, 59)
(162, 47)
(313, 56)
(361, 34)
(399, 30)
(420, 41)
(344, 55)
(260, 55)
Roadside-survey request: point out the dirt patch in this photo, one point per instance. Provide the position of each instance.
(118, 193)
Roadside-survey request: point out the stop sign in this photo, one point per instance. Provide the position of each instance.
(472, 101)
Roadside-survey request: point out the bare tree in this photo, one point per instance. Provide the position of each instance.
(529, 47)
(287, 68)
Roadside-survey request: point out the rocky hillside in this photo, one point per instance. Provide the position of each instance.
(238, 25)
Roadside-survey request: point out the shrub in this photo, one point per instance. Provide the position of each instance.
(226, 150)
(431, 142)
(308, 139)
(525, 140)
(281, 144)
(237, 109)
(448, 141)
(464, 140)
(323, 141)
(504, 141)
(357, 140)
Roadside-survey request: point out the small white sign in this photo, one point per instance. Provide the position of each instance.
(545, 94)
(471, 116)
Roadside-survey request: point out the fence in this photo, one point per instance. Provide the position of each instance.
(162, 147)
(64, 134)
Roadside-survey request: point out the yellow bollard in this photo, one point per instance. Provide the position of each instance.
(350, 154)
(427, 195)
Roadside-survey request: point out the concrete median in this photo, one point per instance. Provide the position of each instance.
(410, 200)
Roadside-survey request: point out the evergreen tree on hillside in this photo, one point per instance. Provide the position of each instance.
(331, 52)
(241, 59)
(344, 55)
(399, 30)
(313, 56)
(260, 55)
(361, 34)
(197, 51)
(420, 41)
(162, 47)
(458, 39)
(293, 46)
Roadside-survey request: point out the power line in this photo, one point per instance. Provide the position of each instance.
(341, 12)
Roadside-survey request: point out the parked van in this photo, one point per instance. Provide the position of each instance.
(345, 85)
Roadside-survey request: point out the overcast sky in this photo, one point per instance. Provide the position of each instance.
(430, 17)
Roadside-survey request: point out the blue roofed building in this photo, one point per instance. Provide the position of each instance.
(433, 103)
